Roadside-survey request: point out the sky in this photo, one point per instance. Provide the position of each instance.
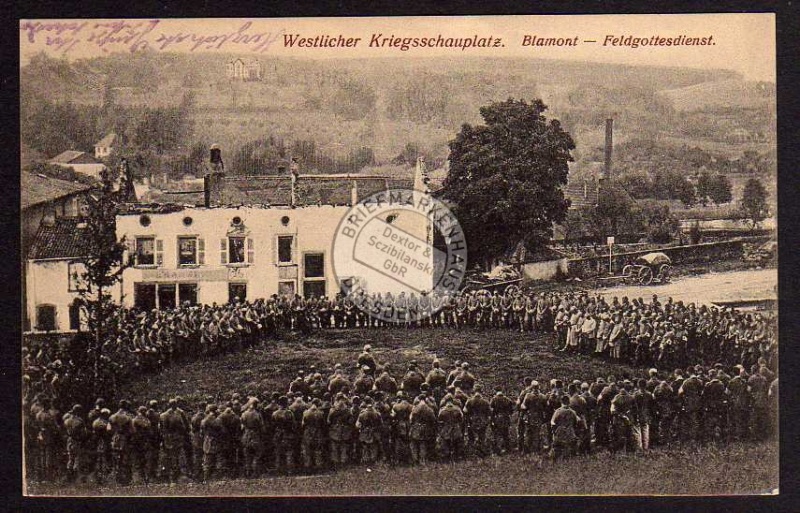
(741, 42)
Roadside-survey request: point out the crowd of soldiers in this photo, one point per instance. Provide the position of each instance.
(725, 345)
(330, 420)
(668, 334)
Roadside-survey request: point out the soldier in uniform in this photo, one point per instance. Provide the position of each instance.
(740, 405)
(385, 431)
(623, 419)
(664, 405)
(714, 403)
(578, 404)
(230, 448)
(76, 432)
(340, 420)
(565, 422)
(758, 386)
(526, 387)
(313, 427)
(689, 394)
(436, 380)
(451, 431)
(364, 382)
(155, 439)
(385, 382)
(197, 440)
(591, 410)
(285, 437)
(49, 438)
(645, 405)
(502, 408)
(173, 433)
(252, 437)
(412, 381)
(141, 443)
(120, 425)
(102, 445)
(401, 414)
(369, 424)
(213, 435)
(532, 410)
(465, 380)
(367, 359)
(422, 432)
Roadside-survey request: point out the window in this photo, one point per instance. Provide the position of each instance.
(144, 296)
(46, 317)
(314, 288)
(234, 249)
(76, 279)
(314, 274)
(75, 316)
(286, 249)
(286, 288)
(314, 265)
(237, 291)
(191, 251)
(166, 296)
(187, 293)
(145, 251)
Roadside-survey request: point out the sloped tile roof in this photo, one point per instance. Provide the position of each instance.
(74, 157)
(252, 190)
(35, 189)
(64, 238)
(107, 140)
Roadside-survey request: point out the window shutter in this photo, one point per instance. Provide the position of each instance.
(201, 251)
(223, 251)
(131, 248)
(250, 251)
(159, 251)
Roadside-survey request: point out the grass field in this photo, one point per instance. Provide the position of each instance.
(499, 358)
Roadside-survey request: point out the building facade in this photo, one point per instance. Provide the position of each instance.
(249, 70)
(251, 238)
(52, 277)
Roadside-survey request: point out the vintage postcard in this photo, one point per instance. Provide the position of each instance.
(486, 255)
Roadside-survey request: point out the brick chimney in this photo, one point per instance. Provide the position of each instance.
(214, 178)
(609, 148)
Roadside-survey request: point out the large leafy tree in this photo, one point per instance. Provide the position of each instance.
(104, 266)
(754, 202)
(506, 177)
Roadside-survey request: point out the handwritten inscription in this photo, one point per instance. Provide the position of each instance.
(137, 35)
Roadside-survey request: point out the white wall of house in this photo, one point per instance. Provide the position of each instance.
(543, 270)
(48, 284)
(92, 170)
(311, 228)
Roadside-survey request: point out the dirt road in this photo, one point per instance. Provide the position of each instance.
(708, 288)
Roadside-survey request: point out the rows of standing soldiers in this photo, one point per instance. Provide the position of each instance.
(322, 422)
(668, 334)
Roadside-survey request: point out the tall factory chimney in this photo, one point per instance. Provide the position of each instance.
(609, 147)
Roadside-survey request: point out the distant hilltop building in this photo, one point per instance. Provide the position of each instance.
(105, 146)
(240, 69)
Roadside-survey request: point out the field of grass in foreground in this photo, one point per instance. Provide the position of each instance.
(498, 358)
(733, 469)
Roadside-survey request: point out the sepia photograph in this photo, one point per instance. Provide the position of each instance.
(399, 256)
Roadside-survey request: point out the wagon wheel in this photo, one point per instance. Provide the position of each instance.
(627, 273)
(512, 290)
(663, 273)
(645, 275)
